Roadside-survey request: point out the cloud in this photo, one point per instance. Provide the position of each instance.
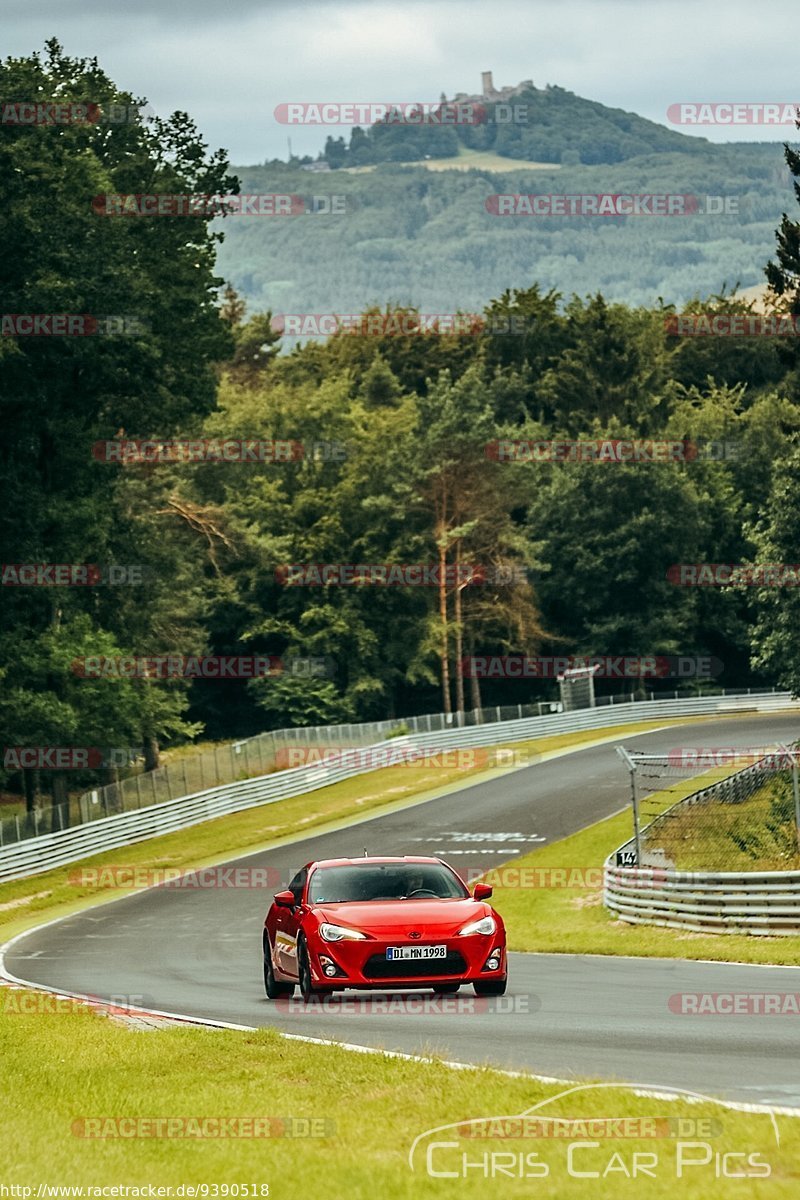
(230, 65)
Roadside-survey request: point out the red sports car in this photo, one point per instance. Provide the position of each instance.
(382, 923)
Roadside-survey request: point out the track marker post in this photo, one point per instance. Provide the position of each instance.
(631, 765)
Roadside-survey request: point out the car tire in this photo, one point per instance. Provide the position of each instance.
(307, 989)
(490, 987)
(274, 989)
(446, 989)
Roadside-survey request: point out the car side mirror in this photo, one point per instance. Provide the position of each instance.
(482, 891)
(285, 899)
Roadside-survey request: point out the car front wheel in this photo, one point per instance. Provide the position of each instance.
(274, 989)
(307, 989)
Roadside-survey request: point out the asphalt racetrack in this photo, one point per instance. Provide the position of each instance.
(198, 952)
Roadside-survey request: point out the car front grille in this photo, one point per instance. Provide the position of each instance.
(380, 967)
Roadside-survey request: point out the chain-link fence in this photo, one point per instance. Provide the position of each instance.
(262, 754)
(227, 763)
(235, 761)
(747, 821)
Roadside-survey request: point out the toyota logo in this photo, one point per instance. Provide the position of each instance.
(414, 933)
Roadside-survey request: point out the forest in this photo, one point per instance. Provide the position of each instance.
(405, 235)
(366, 447)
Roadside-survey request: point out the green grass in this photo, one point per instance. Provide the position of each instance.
(466, 160)
(757, 834)
(62, 1068)
(564, 913)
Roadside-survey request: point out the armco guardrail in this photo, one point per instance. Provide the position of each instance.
(752, 902)
(231, 763)
(35, 855)
(245, 759)
(107, 833)
(748, 902)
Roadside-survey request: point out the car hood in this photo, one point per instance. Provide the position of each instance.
(444, 918)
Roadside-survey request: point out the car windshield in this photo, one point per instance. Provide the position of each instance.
(384, 881)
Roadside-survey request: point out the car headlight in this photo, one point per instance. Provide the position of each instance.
(340, 933)
(485, 925)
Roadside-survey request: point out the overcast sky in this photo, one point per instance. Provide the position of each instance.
(230, 62)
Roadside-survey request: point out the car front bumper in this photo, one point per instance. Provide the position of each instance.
(365, 965)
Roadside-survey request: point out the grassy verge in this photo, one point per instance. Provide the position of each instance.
(67, 1069)
(556, 906)
(757, 834)
(54, 893)
(465, 160)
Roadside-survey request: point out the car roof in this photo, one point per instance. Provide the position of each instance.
(370, 858)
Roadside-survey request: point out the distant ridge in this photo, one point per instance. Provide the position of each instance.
(542, 125)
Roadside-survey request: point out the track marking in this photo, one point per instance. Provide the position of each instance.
(646, 1091)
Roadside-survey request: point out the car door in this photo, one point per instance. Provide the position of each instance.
(287, 926)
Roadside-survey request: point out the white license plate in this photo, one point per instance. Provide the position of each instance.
(394, 952)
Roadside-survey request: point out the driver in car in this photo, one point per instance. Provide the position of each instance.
(415, 882)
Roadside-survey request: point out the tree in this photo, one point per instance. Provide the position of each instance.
(233, 307)
(776, 632)
(335, 151)
(257, 345)
(150, 370)
(466, 507)
(614, 368)
(611, 531)
(783, 276)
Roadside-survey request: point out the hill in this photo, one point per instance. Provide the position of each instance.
(424, 238)
(547, 124)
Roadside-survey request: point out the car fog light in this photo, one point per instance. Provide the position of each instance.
(493, 961)
(328, 966)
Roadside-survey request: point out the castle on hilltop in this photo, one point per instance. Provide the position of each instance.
(490, 92)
